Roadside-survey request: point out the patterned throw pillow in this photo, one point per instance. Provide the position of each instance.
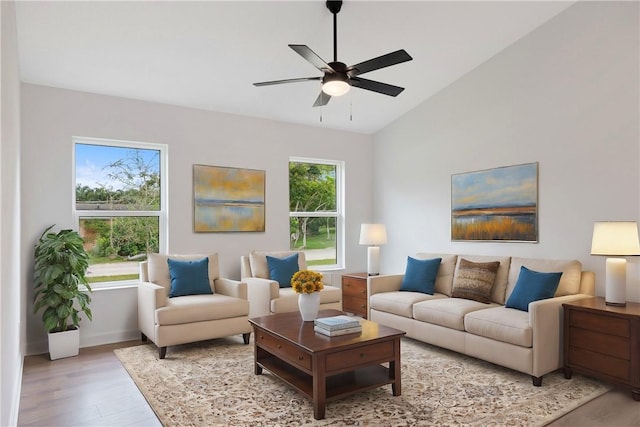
(474, 280)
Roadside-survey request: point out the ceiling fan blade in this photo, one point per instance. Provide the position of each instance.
(322, 99)
(383, 61)
(383, 88)
(312, 57)
(278, 82)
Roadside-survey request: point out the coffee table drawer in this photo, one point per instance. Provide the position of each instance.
(283, 350)
(350, 359)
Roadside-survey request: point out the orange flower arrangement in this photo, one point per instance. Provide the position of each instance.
(307, 282)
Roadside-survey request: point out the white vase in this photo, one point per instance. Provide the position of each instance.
(309, 304)
(64, 344)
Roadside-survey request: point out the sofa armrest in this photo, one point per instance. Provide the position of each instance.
(386, 283)
(150, 298)
(546, 320)
(260, 292)
(231, 288)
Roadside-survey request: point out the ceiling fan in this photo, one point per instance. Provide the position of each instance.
(337, 77)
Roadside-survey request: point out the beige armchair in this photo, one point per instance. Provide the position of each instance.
(182, 319)
(267, 297)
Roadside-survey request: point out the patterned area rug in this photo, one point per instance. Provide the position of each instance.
(213, 383)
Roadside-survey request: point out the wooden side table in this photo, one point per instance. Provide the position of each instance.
(603, 341)
(354, 294)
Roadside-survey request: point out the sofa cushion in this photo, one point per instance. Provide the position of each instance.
(282, 269)
(501, 324)
(159, 268)
(569, 282)
(258, 261)
(189, 277)
(474, 280)
(400, 303)
(420, 275)
(200, 308)
(532, 286)
(447, 312)
(498, 292)
(444, 279)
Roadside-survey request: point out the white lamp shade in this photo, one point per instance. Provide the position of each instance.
(615, 238)
(373, 234)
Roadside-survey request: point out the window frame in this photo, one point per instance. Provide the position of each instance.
(339, 213)
(162, 213)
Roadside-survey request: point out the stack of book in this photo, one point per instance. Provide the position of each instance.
(337, 325)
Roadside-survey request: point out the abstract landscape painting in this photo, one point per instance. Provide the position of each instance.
(498, 204)
(228, 199)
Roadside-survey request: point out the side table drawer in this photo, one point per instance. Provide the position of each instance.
(283, 350)
(354, 287)
(611, 345)
(355, 305)
(595, 322)
(598, 362)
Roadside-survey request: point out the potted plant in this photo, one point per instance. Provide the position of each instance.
(61, 263)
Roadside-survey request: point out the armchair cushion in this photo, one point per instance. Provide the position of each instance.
(282, 269)
(189, 277)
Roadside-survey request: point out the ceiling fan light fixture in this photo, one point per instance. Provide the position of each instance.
(335, 85)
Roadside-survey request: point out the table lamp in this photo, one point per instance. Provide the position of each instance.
(373, 235)
(615, 239)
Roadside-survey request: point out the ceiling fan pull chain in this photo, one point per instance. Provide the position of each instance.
(351, 107)
(321, 114)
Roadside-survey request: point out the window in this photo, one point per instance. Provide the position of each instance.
(315, 210)
(120, 204)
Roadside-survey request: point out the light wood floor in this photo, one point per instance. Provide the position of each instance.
(93, 389)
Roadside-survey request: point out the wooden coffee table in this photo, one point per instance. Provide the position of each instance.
(326, 368)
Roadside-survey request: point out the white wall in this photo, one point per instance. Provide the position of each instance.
(51, 117)
(566, 96)
(12, 298)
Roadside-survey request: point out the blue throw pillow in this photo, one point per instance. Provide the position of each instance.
(532, 286)
(282, 269)
(420, 275)
(189, 277)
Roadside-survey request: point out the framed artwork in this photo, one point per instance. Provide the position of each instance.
(227, 199)
(499, 204)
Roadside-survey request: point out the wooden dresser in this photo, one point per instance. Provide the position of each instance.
(603, 342)
(354, 294)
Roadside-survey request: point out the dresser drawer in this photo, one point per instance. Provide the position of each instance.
(611, 345)
(283, 350)
(354, 287)
(362, 356)
(595, 322)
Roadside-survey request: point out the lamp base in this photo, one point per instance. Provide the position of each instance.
(616, 304)
(616, 282)
(373, 260)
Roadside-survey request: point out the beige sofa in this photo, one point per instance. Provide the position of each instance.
(529, 342)
(184, 319)
(267, 297)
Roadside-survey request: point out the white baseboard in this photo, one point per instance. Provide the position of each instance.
(17, 390)
(42, 346)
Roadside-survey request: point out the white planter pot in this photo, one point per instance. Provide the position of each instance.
(309, 305)
(64, 344)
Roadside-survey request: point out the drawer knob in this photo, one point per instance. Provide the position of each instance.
(279, 346)
(361, 355)
(261, 337)
(300, 357)
(363, 306)
(363, 292)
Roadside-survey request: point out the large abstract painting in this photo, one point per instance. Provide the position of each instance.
(498, 204)
(228, 199)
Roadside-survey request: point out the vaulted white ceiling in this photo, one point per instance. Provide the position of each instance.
(207, 54)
